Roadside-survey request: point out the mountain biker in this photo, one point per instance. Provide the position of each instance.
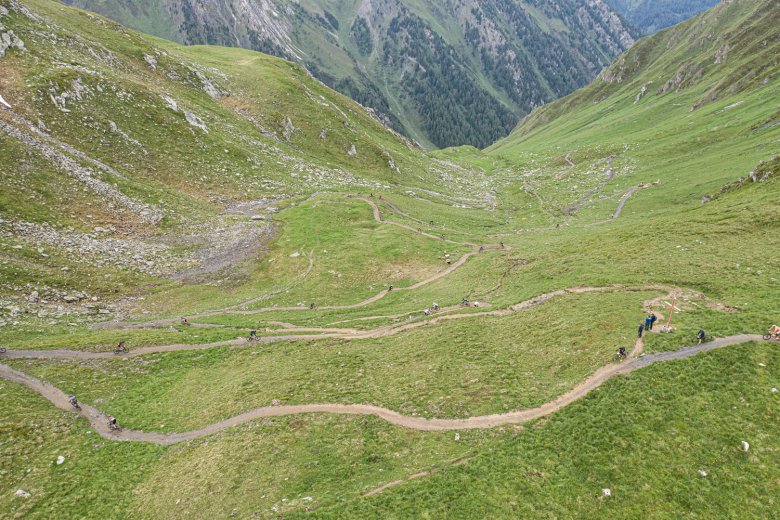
(435, 306)
(701, 335)
(622, 352)
(112, 423)
(73, 401)
(501, 245)
(121, 347)
(312, 306)
(252, 335)
(184, 321)
(774, 331)
(390, 288)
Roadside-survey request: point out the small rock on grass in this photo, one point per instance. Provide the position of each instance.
(702, 473)
(22, 493)
(60, 460)
(745, 446)
(606, 492)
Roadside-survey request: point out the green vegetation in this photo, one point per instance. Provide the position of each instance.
(645, 438)
(652, 15)
(444, 73)
(148, 182)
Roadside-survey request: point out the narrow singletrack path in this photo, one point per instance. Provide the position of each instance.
(99, 421)
(232, 309)
(330, 333)
(619, 209)
(580, 203)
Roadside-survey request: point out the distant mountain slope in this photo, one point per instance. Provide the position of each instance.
(652, 15)
(728, 52)
(445, 73)
(124, 155)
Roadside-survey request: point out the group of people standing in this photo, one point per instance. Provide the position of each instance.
(647, 324)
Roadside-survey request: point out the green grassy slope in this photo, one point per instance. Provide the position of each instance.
(680, 161)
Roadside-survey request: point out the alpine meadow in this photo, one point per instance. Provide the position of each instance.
(229, 290)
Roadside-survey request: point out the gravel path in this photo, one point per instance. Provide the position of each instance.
(98, 420)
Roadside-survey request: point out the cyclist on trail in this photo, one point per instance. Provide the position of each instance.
(312, 306)
(774, 331)
(701, 335)
(622, 352)
(390, 288)
(73, 401)
(112, 425)
(185, 322)
(435, 307)
(121, 347)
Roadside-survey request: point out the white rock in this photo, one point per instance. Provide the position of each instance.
(60, 460)
(295, 255)
(774, 390)
(702, 473)
(745, 446)
(4, 102)
(761, 365)
(457, 436)
(606, 492)
(22, 493)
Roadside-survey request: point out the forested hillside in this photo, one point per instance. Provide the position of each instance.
(650, 16)
(445, 73)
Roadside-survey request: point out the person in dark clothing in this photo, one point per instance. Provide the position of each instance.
(701, 335)
(648, 323)
(653, 319)
(641, 329)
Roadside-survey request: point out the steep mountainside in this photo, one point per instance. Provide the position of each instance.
(651, 15)
(445, 73)
(728, 52)
(373, 331)
(133, 157)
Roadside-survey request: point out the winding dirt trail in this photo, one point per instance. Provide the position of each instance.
(479, 248)
(98, 420)
(619, 209)
(332, 333)
(579, 203)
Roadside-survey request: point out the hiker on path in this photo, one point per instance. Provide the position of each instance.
(653, 319)
(641, 329)
(648, 323)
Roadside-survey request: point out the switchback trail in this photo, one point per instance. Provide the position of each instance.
(330, 333)
(479, 248)
(99, 421)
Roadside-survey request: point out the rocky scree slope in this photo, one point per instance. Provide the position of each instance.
(123, 157)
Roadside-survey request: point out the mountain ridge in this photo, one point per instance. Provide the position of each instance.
(445, 73)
